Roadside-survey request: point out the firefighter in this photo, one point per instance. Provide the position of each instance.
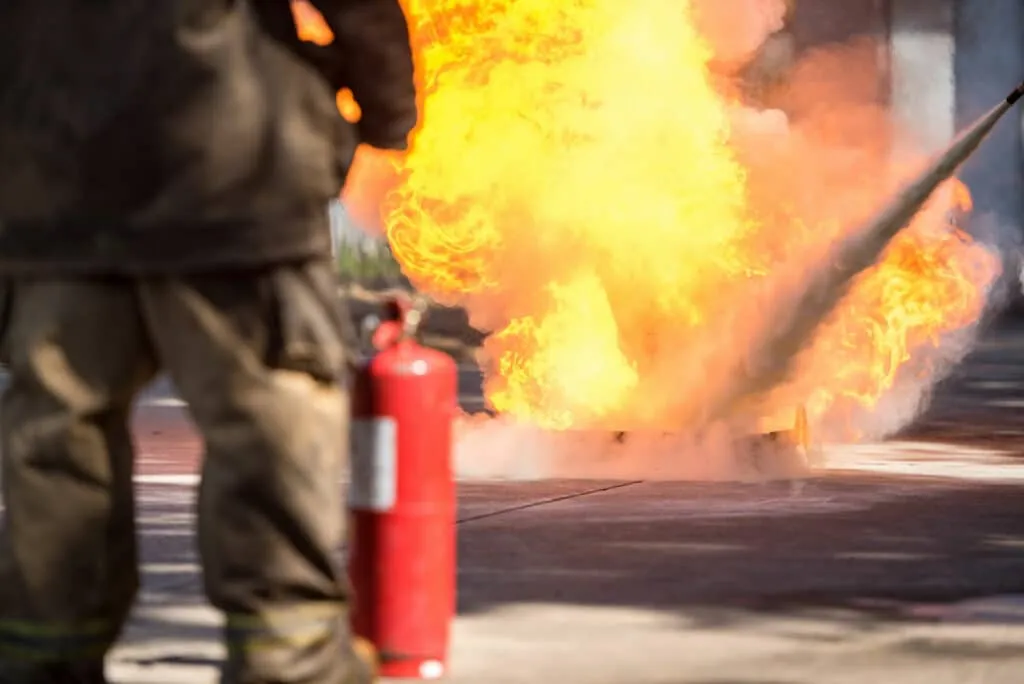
(165, 171)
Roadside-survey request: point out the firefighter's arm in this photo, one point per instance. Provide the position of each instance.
(374, 59)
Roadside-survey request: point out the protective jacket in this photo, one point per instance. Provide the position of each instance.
(150, 136)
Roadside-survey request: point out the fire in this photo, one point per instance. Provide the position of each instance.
(565, 208)
(311, 24)
(931, 282)
(313, 28)
(581, 184)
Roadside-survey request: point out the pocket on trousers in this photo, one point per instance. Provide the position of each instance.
(310, 324)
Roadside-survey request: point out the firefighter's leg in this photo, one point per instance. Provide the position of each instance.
(76, 355)
(256, 356)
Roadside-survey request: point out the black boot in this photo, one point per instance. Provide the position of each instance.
(70, 672)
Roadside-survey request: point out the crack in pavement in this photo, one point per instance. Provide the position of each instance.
(546, 501)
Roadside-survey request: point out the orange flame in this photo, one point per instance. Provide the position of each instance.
(312, 28)
(311, 24)
(932, 281)
(585, 189)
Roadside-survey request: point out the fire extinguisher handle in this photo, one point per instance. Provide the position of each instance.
(367, 327)
(414, 315)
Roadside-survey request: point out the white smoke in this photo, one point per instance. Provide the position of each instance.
(500, 448)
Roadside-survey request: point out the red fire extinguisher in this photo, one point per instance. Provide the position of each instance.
(402, 499)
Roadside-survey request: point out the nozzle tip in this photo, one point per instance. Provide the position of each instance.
(1015, 95)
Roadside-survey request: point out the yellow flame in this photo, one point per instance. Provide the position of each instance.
(546, 366)
(558, 140)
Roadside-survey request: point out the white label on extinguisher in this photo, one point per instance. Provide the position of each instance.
(373, 484)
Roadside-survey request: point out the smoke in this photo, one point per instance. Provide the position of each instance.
(797, 317)
(372, 176)
(501, 448)
(835, 143)
(737, 29)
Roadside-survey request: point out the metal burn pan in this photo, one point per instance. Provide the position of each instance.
(787, 441)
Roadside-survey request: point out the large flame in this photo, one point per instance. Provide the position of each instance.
(608, 209)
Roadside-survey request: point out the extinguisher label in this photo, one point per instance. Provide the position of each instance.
(373, 484)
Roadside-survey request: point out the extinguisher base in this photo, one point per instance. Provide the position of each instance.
(414, 668)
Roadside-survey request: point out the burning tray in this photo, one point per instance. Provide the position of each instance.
(782, 439)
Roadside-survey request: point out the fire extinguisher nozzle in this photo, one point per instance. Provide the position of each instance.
(1017, 93)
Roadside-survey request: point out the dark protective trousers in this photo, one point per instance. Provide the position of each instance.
(257, 357)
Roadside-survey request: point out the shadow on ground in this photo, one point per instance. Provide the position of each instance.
(980, 404)
(858, 551)
(839, 542)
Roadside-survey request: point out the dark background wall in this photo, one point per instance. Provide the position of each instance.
(989, 61)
